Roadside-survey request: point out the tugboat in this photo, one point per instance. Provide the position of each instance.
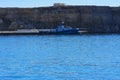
(61, 29)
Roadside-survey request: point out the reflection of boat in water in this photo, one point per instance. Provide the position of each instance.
(61, 29)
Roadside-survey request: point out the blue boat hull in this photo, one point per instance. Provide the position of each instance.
(72, 31)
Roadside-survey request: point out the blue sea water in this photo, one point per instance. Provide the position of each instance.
(60, 57)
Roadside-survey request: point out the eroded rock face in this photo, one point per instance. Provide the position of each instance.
(13, 26)
(1, 21)
(93, 18)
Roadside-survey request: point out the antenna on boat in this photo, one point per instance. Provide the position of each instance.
(61, 23)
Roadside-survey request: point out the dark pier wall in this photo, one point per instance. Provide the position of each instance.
(92, 18)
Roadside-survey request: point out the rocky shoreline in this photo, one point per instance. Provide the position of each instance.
(96, 19)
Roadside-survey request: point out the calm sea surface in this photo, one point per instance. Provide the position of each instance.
(62, 57)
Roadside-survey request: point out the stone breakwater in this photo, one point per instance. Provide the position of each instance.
(96, 19)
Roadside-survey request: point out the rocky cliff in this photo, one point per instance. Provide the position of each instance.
(92, 18)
